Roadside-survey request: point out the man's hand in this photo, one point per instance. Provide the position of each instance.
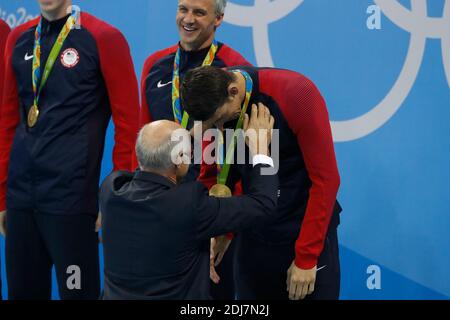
(300, 283)
(258, 129)
(3, 223)
(219, 246)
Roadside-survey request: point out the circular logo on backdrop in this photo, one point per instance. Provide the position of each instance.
(416, 21)
(70, 58)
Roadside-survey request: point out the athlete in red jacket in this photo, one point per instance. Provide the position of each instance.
(52, 135)
(301, 242)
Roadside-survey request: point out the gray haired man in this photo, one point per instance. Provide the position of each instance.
(156, 232)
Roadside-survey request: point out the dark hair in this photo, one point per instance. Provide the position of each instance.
(204, 90)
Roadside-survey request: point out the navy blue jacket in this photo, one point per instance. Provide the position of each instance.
(156, 235)
(54, 167)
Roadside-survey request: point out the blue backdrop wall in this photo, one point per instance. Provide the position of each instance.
(386, 80)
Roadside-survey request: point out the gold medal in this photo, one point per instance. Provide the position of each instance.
(33, 116)
(220, 191)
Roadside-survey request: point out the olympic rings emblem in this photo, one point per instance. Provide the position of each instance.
(415, 21)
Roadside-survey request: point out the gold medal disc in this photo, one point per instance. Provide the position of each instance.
(33, 116)
(220, 191)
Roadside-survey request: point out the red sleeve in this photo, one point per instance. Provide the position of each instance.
(231, 57)
(4, 31)
(10, 114)
(144, 113)
(120, 79)
(306, 113)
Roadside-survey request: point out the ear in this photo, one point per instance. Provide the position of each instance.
(185, 159)
(232, 90)
(219, 20)
(178, 159)
(182, 158)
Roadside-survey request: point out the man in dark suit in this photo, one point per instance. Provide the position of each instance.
(156, 233)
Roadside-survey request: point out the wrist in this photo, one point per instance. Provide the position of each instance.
(255, 150)
(305, 261)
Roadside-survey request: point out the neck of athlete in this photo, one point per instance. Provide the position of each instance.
(59, 12)
(198, 47)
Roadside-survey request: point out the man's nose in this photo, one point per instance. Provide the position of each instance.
(189, 18)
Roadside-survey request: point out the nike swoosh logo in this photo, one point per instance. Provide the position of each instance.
(27, 57)
(321, 268)
(161, 85)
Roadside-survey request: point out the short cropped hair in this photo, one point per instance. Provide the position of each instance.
(150, 157)
(220, 6)
(204, 90)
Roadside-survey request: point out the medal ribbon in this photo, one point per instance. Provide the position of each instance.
(36, 75)
(179, 115)
(223, 169)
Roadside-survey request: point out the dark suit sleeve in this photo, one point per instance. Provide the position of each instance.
(217, 216)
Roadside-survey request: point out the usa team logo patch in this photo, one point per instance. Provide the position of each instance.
(70, 58)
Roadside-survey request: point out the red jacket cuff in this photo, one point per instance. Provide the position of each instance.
(305, 261)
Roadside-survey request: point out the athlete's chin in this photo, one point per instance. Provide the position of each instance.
(189, 43)
(189, 37)
(188, 34)
(49, 9)
(48, 5)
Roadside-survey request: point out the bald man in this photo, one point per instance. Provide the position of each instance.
(156, 232)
